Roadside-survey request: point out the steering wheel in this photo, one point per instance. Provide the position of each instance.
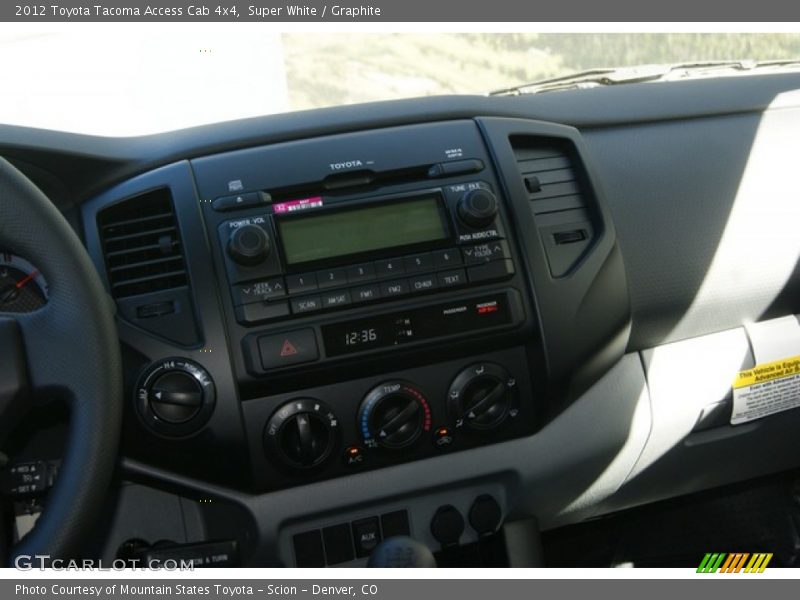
(66, 350)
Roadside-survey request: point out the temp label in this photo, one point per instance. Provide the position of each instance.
(766, 389)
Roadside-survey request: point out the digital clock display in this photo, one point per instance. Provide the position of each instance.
(424, 323)
(361, 337)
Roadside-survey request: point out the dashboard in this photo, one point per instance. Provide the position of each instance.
(438, 316)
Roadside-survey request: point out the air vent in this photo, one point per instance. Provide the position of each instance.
(560, 206)
(549, 175)
(142, 245)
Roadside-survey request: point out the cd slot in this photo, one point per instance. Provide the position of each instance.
(350, 182)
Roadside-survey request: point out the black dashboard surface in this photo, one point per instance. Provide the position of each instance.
(665, 169)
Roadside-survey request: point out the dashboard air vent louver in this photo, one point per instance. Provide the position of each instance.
(549, 175)
(559, 199)
(142, 245)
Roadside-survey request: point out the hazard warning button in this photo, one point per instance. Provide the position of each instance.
(288, 348)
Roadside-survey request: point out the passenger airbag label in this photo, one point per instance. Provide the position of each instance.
(766, 389)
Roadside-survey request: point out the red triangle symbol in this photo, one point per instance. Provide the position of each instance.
(288, 348)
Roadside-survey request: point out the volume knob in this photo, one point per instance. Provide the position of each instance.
(249, 245)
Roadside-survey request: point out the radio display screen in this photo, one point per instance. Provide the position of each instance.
(365, 229)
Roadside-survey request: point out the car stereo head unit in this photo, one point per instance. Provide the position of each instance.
(396, 249)
(308, 255)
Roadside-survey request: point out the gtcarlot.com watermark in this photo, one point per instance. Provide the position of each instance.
(40, 562)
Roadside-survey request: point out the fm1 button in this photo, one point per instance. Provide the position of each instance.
(366, 535)
(289, 348)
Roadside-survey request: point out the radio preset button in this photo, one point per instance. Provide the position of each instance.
(394, 288)
(423, 283)
(359, 273)
(482, 253)
(452, 278)
(306, 304)
(365, 293)
(389, 267)
(500, 269)
(331, 278)
(297, 284)
(333, 299)
(447, 258)
(256, 312)
(418, 262)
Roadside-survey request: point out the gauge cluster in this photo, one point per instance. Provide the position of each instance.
(22, 287)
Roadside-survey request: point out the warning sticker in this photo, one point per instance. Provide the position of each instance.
(766, 389)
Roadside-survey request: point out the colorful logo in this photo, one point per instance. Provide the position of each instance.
(720, 562)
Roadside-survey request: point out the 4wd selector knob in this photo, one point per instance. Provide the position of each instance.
(175, 396)
(249, 244)
(481, 397)
(477, 208)
(393, 415)
(301, 433)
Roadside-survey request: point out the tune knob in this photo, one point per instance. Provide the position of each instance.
(249, 244)
(302, 433)
(393, 415)
(481, 397)
(477, 208)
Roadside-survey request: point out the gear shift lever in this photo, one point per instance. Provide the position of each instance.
(401, 552)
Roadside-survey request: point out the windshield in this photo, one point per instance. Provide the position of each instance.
(121, 80)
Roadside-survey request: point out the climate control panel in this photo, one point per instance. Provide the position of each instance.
(386, 419)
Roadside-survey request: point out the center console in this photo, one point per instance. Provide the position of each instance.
(374, 297)
(302, 310)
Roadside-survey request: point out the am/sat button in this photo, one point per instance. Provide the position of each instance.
(288, 348)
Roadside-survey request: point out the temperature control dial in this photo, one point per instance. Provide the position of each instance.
(393, 415)
(482, 397)
(302, 433)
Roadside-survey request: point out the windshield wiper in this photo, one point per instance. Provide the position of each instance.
(641, 73)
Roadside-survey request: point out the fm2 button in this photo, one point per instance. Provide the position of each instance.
(288, 348)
